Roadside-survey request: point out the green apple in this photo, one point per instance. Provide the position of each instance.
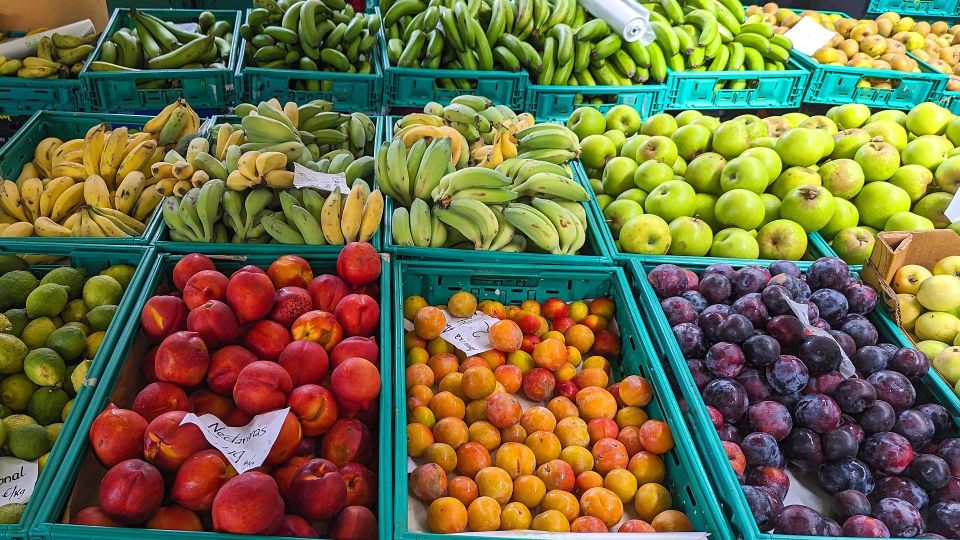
(932, 206)
(908, 221)
(604, 201)
(947, 266)
(810, 206)
(690, 237)
(822, 123)
(706, 209)
(907, 279)
(826, 139)
(651, 174)
(800, 147)
(914, 179)
(596, 185)
(795, 118)
(709, 122)
(854, 244)
(735, 243)
(936, 325)
(634, 194)
(947, 175)
(953, 131)
(691, 140)
(877, 201)
(756, 127)
(849, 115)
(671, 200)
(596, 151)
(842, 177)
(927, 150)
(909, 310)
(891, 115)
(618, 138)
(645, 235)
(731, 139)
(890, 132)
(782, 239)
(879, 160)
(947, 364)
(687, 117)
(794, 177)
(771, 208)
(844, 216)
(928, 118)
(586, 121)
(740, 208)
(764, 142)
(631, 148)
(770, 159)
(624, 118)
(847, 142)
(659, 124)
(619, 212)
(703, 173)
(679, 166)
(618, 175)
(776, 125)
(658, 148)
(744, 173)
(939, 292)
(930, 348)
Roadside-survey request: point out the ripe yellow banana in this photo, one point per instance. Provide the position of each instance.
(270, 161)
(162, 169)
(89, 227)
(223, 135)
(48, 228)
(149, 199)
(165, 186)
(96, 192)
(28, 171)
(330, 219)
(127, 223)
(128, 191)
(71, 169)
(371, 217)
(66, 148)
(43, 154)
(182, 170)
(30, 192)
(352, 212)
(112, 154)
(67, 203)
(73, 223)
(52, 191)
(279, 179)
(199, 178)
(17, 230)
(93, 149)
(136, 159)
(133, 141)
(238, 182)
(247, 165)
(155, 124)
(11, 202)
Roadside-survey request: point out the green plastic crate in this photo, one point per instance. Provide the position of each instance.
(242, 5)
(559, 102)
(202, 88)
(914, 8)
(950, 100)
(516, 283)
(19, 150)
(46, 523)
(94, 259)
(725, 481)
(773, 89)
(154, 4)
(26, 96)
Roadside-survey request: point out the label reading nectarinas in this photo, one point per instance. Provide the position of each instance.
(17, 479)
(245, 447)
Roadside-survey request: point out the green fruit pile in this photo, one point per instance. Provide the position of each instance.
(50, 329)
(310, 35)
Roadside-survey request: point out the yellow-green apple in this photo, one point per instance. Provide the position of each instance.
(820, 122)
(671, 200)
(907, 279)
(744, 173)
(709, 122)
(618, 138)
(645, 235)
(596, 151)
(849, 115)
(703, 173)
(794, 177)
(659, 124)
(604, 200)
(936, 325)
(771, 208)
(586, 121)
(932, 207)
(947, 175)
(691, 140)
(931, 348)
(632, 146)
(939, 292)
(946, 266)
(928, 151)
(914, 179)
(634, 194)
(877, 201)
(619, 212)
(731, 139)
(688, 117)
(843, 177)
(651, 174)
(810, 206)
(756, 127)
(776, 125)
(879, 160)
(618, 175)
(947, 364)
(847, 142)
(626, 119)
(763, 142)
(679, 166)
(908, 221)
(706, 209)
(735, 243)
(844, 216)
(795, 118)
(889, 132)
(854, 244)
(782, 239)
(909, 309)
(952, 132)
(891, 115)
(800, 147)
(928, 118)
(690, 237)
(770, 159)
(658, 148)
(740, 208)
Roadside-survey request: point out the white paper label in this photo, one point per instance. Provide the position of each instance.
(407, 325)
(17, 479)
(307, 178)
(808, 36)
(800, 311)
(245, 447)
(188, 27)
(953, 209)
(470, 334)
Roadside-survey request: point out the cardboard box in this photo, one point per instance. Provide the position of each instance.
(25, 16)
(896, 249)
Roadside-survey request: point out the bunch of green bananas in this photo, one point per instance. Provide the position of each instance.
(152, 43)
(310, 35)
(58, 57)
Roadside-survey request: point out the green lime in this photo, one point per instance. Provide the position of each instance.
(5, 411)
(10, 514)
(79, 374)
(53, 431)
(37, 331)
(46, 404)
(44, 366)
(100, 316)
(14, 421)
(47, 300)
(15, 391)
(76, 311)
(12, 353)
(6, 327)
(68, 341)
(123, 273)
(73, 278)
(101, 291)
(66, 411)
(15, 286)
(10, 262)
(18, 318)
(84, 328)
(29, 442)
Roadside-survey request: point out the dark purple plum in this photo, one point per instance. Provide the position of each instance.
(832, 305)
(865, 527)
(723, 269)
(761, 350)
(774, 298)
(716, 288)
(931, 536)
(839, 476)
(798, 519)
(861, 298)
(696, 299)
(784, 267)
(878, 417)
(710, 323)
(939, 415)
(915, 426)
(764, 507)
(749, 279)
(770, 417)
(820, 353)
(724, 360)
(846, 342)
(667, 280)
(870, 359)
(829, 528)
(828, 272)
(693, 280)
(890, 348)
(716, 417)
(735, 328)
(949, 450)
(755, 384)
(797, 287)
(728, 397)
(787, 330)
(730, 433)
(852, 317)
(751, 307)
(770, 478)
(803, 448)
(818, 412)
(850, 502)
(854, 395)
(894, 388)
(930, 471)
(787, 400)
(949, 492)
(787, 375)
(901, 518)
(723, 309)
(910, 362)
(944, 518)
(824, 384)
(821, 324)
(690, 338)
(887, 452)
(862, 331)
(849, 422)
(901, 487)
(839, 444)
(761, 450)
(678, 310)
(701, 377)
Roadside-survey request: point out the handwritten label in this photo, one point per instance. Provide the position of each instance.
(800, 311)
(17, 479)
(188, 27)
(953, 209)
(307, 178)
(808, 36)
(245, 447)
(469, 334)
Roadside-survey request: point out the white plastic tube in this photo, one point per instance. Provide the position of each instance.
(25, 46)
(625, 17)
